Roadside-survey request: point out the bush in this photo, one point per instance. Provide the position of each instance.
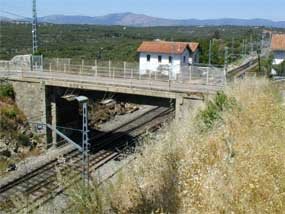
(6, 153)
(6, 90)
(9, 112)
(280, 69)
(214, 108)
(23, 140)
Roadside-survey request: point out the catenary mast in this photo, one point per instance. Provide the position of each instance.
(34, 27)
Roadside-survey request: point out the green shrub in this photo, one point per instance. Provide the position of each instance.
(280, 69)
(6, 90)
(23, 140)
(6, 153)
(10, 112)
(214, 109)
(4, 163)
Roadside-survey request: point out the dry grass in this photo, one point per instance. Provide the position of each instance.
(236, 167)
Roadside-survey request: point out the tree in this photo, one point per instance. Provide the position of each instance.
(217, 34)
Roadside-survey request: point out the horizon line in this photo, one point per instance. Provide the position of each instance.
(176, 19)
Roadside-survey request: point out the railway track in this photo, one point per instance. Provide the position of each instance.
(41, 185)
(237, 71)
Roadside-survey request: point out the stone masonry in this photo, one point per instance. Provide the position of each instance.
(30, 98)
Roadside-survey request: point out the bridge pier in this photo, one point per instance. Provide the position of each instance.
(184, 105)
(179, 107)
(44, 110)
(54, 119)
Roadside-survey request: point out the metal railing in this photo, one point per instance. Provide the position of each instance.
(127, 75)
(194, 74)
(13, 66)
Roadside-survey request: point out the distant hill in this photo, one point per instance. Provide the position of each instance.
(5, 19)
(140, 20)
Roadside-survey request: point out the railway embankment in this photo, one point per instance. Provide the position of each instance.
(228, 157)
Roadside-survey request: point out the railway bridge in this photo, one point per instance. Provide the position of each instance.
(39, 90)
(42, 93)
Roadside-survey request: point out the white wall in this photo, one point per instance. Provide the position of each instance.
(153, 64)
(194, 57)
(279, 57)
(197, 56)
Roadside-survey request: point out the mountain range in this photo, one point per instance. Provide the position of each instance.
(141, 20)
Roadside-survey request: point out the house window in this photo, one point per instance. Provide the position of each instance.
(159, 59)
(148, 58)
(170, 59)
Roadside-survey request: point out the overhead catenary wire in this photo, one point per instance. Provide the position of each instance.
(28, 19)
(58, 127)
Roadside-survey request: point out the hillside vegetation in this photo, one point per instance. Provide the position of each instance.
(117, 43)
(227, 158)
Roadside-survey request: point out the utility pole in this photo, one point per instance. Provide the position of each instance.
(245, 47)
(232, 54)
(242, 49)
(34, 27)
(210, 53)
(251, 44)
(84, 148)
(172, 61)
(85, 141)
(262, 41)
(226, 59)
(259, 61)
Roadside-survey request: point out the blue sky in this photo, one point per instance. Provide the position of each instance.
(179, 9)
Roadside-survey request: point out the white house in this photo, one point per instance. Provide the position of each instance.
(195, 52)
(278, 48)
(167, 57)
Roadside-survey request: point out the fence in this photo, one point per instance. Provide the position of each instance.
(22, 63)
(124, 70)
(124, 74)
(13, 66)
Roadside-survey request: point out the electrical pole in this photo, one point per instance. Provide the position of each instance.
(232, 55)
(172, 61)
(85, 141)
(251, 44)
(242, 48)
(245, 47)
(262, 41)
(34, 27)
(210, 53)
(226, 59)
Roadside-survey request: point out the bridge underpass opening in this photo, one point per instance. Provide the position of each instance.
(67, 117)
(61, 113)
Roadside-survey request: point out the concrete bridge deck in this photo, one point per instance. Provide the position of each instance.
(140, 86)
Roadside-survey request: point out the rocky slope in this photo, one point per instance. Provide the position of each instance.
(17, 140)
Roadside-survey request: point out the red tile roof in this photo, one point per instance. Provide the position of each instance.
(278, 42)
(193, 46)
(167, 47)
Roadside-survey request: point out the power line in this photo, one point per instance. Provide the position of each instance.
(14, 14)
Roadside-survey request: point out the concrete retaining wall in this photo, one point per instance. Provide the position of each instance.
(185, 105)
(30, 98)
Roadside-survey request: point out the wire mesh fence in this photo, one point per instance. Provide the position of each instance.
(199, 74)
(13, 66)
(126, 74)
